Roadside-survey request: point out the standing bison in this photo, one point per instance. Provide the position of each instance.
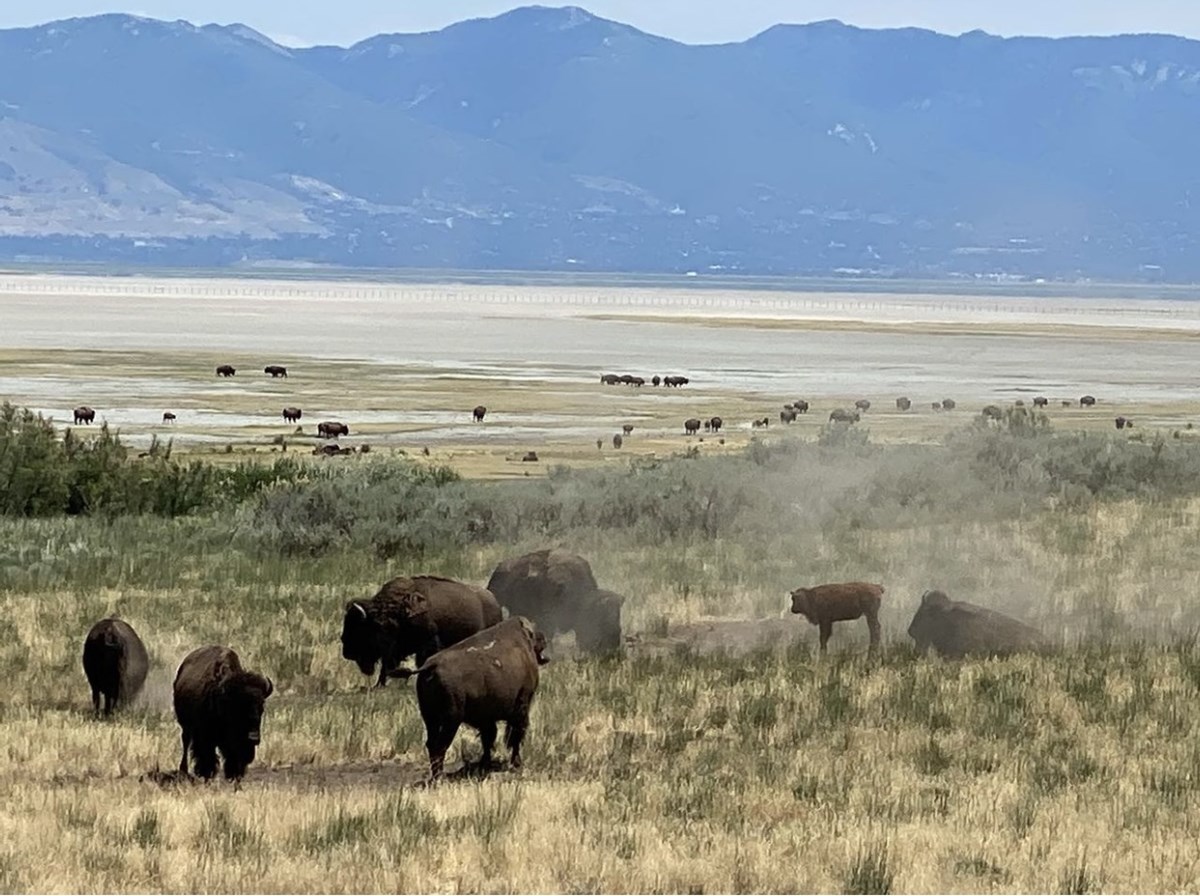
(715, 424)
(413, 616)
(618, 440)
(275, 370)
(1041, 401)
(168, 417)
(115, 663)
(292, 415)
(556, 589)
(479, 413)
(691, 426)
(824, 605)
(787, 415)
(84, 414)
(1087, 401)
(488, 678)
(956, 629)
(331, 429)
(948, 404)
(226, 370)
(842, 415)
(219, 706)
(903, 404)
(801, 406)
(863, 405)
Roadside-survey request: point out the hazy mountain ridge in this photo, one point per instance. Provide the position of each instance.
(550, 138)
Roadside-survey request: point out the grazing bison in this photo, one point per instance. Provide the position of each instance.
(1123, 422)
(84, 414)
(600, 444)
(415, 616)
(655, 380)
(610, 379)
(488, 678)
(219, 706)
(675, 381)
(168, 417)
(637, 381)
(903, 404)
(948, 404)
(618, 441)
(957, 629)
(992, 412)
(841, 415)
(226, 370)
(691, 426)
(715, 424)
(1041, 401)
(801, 407)
(627, 428)
(479, 413)
(787, 415)
(556, 589)
(291, 415)
(332, 429)
(824, 605)
(863, 405)
(275, 370)
(115, 663)
(1087, 401)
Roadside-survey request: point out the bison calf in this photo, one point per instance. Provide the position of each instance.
(488, 678)
(115, 662)
(219, 706)
(956, 629)
(824, 605)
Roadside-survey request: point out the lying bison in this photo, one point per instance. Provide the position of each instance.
(556, 589)
(219, 706)
(331, 429)
(226, 370)
(115, 663)
(488, 678)
(957, 629)
(823, 605)
(275, 370)
(292, 415)
(413, 616)
(479, 413)
(84, 414)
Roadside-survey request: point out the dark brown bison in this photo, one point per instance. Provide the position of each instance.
(801, 407)
(765, 421)
(610, 379)
(479, 413)
(626, 379)
(226, 370)
(115, 663)
(903, 404)
(949, 404)
(330, 429)
(841, 415)
(488, 678)
(275, 370)
(691, 426)
(529, 457)
(333, 451)
(675, 381)
(787, 415)
(715, 424)
(1087, 401)
(863, 405)
(627, 428)
(655, 380)
(992, 412)
(957, 629)
(1041, 401)
(1123, 422)
(415, 616)
(168, 417)
(937, 405)
(638, 381)
(84, 414)
(618, 440)
(556, 589)
(291, 415)
(824, 605)
(219, 706)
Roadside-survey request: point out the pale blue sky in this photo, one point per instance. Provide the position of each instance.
(694, 21)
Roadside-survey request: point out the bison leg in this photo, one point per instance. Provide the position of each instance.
(514, 734)
(873, 629)
(487, 737)
(187, 742)
(96, 702)
(204, 753)
(826, 631)
(438, 742)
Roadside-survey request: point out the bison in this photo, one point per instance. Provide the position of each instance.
(610, 379)
(331, 429)
(765, 421)
(168, 417)
(957, 629)
(1087, 401)
(617, 440)
(823, 605)
(787, 415)
(841, 415)
(992, 412)
(1041, 401)
(275, 370)
(863, 405)
(557, 590)
(291, 415)
(903, 404)
(529, 457)
(1122, 422)
(413, 616)
(479, 413)
(801, 407)
(115, 663)
(691, 426)
(219, 706)
(715, 424)
(226, 370)
(655, 380)
(627, 428)
(84, 414)
(948, 404)
(488, 678)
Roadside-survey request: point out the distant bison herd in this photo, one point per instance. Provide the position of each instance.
(472, 665)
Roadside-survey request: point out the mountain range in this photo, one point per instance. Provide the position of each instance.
(552, 139)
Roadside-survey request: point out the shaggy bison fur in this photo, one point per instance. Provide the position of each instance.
(556, 589)
(956, 629)
(115, 662)
(219, 706)
(488, 678)
(823, 605)
(413, 616)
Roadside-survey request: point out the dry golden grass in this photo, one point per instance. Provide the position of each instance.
(756, 768)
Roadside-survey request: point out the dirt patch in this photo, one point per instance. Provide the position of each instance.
(734, 637)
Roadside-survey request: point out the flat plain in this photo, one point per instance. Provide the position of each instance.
(719, 753)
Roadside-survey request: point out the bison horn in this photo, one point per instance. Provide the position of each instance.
(270, 687)
(360, 609)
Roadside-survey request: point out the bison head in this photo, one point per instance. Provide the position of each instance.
(800, 601)
(243, 699)
(925, 623)
(360, 638)
(598, 628)
(537, 641)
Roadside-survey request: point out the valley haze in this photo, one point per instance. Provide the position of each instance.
(552, 139)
